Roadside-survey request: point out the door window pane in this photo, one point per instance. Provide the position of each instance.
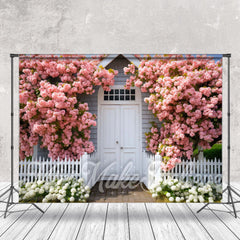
(120, 95)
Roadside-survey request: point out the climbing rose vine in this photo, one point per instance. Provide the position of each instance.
(50, 89)
(186, 96)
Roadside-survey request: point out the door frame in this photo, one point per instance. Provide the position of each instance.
(137, 102)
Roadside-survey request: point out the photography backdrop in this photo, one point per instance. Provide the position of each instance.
(110, 27)
(96, 123)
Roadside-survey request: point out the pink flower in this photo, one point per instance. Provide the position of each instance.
(206, 91)
(185, 95)
(49, 106)
(138, 83)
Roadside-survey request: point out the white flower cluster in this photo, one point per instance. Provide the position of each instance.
(63, 190)
(177, 191)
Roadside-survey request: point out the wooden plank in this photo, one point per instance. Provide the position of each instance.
(236, 185)
(3, 185)
(187, 222)
(236, 204)
(5, 198)
(94, 222)
(19, 228)
(117, 222)
(164, 226)
(18, 211)
(212, 224)
(227, 219)
(70, 222)
(44, 227)
(139, 224)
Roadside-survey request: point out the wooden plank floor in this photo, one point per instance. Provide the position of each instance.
(119, 221)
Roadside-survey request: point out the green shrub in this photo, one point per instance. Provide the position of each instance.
(214, 152)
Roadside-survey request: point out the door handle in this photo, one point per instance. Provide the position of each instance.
(116, 142)
(121, 147)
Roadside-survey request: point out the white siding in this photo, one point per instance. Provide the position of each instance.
(147, 117)
(93, 108)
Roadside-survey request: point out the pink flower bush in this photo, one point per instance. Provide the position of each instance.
(186, 96)
(49, 105)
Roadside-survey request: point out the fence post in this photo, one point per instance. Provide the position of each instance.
(158, 160)
(150, 160)
(84, 166)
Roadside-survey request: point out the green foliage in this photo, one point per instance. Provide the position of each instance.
(37, 92)
(214, 152)
(195, 152)
(29, 158)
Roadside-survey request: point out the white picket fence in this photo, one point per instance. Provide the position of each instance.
(87, 167)
(49, 170)
(188, 170)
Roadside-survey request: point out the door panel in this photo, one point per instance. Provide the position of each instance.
(120, 141)
(128, 162)
(128, 126)
(110, 163)
(129, 139)
(110, 122)
(109, 139)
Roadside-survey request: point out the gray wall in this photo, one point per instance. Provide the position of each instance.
(92, 101)
(108, 26)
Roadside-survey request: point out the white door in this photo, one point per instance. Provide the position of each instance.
(120, 142)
